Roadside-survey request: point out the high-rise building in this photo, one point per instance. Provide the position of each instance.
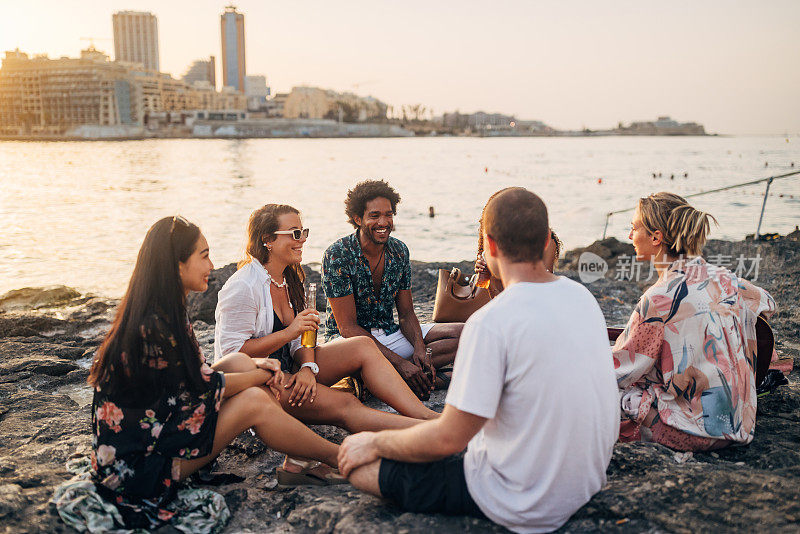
(136, 38)
(233, 69)
(202, 71)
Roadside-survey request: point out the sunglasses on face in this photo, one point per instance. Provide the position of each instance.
(297, 233)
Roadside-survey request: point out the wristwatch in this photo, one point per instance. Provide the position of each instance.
(313, 366)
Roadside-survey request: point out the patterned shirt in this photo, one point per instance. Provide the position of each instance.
(689, 351)
(345, 271)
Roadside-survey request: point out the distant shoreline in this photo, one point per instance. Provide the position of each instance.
(59, 139)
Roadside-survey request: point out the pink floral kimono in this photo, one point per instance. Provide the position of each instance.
(685, 363)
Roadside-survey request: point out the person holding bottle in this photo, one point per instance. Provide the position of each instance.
(493, 284)
(262, 312)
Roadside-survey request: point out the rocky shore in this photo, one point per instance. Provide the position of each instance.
(47, 338)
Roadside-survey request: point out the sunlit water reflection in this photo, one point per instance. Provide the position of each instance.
(76, 213)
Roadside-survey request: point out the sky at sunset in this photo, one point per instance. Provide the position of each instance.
(733, 66)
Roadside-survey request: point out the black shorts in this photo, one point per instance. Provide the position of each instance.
(436, 487)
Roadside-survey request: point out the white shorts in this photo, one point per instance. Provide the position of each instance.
(397, 342)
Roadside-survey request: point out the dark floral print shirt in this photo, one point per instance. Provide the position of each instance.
(345, 271)
(137, 449)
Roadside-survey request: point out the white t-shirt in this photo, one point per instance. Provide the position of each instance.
(536, 362)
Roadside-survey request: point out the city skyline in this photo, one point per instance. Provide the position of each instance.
(729, 66)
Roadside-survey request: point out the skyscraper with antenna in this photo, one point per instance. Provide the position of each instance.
(233, 63)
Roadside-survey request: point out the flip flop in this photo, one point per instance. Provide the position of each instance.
(312, 473)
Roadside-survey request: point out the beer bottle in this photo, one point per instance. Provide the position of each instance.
(485, 277)
(309, 337)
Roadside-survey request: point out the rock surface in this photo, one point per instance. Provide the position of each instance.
(46, 348)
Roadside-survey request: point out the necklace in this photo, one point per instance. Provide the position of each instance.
(372, 271)
(281, 285)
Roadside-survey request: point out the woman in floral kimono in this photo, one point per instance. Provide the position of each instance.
(159, 412)
(685, 363)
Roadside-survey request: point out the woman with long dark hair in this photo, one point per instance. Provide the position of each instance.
(159, 412)
(261, 311)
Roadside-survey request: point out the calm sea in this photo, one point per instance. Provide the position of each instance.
(76, 213)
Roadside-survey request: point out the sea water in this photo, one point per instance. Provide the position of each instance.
(75, 213)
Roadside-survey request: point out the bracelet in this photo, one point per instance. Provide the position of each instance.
(313, 366)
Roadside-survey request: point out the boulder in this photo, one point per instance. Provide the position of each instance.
(29, 298)
(610, 249)
(12, 500)
(14, 325)
(201, 306)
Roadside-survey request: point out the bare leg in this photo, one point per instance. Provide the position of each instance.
(347, 357)
(257, 408)
(332, 407)
(444, 331)
(365, 478)
(443, 351)
(236, 362)
(443, 340)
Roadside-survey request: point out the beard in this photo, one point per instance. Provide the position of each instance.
(371, 235)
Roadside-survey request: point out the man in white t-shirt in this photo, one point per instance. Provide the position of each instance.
(533, 397)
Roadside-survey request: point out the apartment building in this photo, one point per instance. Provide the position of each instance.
(41, 96)
(317, 103)
(202, 70)
(136, 38)
(48, 97)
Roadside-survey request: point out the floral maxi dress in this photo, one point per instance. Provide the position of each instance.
(137, 449)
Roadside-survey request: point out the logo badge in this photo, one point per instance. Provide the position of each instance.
(591, 267)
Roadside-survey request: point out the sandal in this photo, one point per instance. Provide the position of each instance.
(312, 473)
(443, 380)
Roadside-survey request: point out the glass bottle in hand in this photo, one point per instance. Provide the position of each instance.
(309, 337)
(484, 277)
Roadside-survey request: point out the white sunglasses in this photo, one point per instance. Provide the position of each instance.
(297, 234)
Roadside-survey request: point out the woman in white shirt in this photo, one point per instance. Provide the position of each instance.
(261, 312)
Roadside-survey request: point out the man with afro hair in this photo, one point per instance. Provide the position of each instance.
(366, 274)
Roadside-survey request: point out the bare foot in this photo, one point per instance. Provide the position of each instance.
(296, 464)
